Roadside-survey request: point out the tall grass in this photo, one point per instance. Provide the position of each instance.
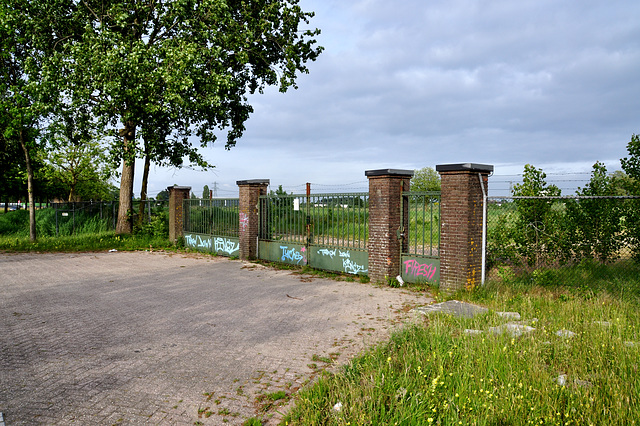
(437, 373)
(85, 242)
(85, 232)
(16, 223)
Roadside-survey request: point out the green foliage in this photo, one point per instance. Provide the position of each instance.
(594, 225)
(631, 165)
(536, 222)
(158, 226)
(85, 242)
(425, 179)
(81, 167)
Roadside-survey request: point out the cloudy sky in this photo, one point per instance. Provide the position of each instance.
(414, 83)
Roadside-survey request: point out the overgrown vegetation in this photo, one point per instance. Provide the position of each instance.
(79, 231)
(438, 372)
(529, 234)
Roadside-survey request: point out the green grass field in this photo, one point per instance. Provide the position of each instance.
(435, 372)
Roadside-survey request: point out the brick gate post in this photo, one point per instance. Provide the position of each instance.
(176, 195)
(250, 192)
(385, 222)
(461, 211)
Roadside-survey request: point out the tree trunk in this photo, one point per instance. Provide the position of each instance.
(125, 209)
(145, 181)
(32, 206)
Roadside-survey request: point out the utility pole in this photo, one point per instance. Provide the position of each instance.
(215, 189)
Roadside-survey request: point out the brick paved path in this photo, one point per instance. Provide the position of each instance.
(139, 338)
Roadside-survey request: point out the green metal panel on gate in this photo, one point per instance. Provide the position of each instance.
(338, 259)
(282, 251)
(419, 269)
(221, 245)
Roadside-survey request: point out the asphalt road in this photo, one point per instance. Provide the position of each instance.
(156, 338)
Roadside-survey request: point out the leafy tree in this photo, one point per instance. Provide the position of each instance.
(594, 224)
(172, 70)
(77, 159)
(29, 81)
(631, 166)
(621, 184)
(163, 195)
(425, 179)
(535, 235)
(205, 192)
(11, 167)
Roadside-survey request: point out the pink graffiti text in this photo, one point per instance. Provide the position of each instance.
(244, 221)
(417, 269)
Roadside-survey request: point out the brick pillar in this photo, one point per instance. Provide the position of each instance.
(461, 224)
(176, 195)
(385, 221)
(250, 192)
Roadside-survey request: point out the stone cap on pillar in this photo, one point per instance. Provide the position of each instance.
(253, 182)
(465, 167)
(388, 172)
(178, 187)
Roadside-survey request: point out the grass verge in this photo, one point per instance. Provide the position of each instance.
(85, 242)
(438, 373)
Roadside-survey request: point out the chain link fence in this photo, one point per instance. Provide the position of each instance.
(586, 242)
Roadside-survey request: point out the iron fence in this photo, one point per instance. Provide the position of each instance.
(218, 216)
(336, 219)
(423, 218)
(579, 241)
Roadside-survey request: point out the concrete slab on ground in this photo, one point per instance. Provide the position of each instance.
(453, 307)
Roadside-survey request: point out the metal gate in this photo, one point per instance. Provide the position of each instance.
(420, 254)
(212, 225)
(324, 231)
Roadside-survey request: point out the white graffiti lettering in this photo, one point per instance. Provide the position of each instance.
(292, 254)
(226, 246)
(327, 252)
(197, 241)
(346, 254)
(417, 269)
(351, 267)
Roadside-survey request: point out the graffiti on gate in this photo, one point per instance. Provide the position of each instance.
(327, 252)
(351, 267)
(293, 255)
(225, 245)
(196, 241)
(414, 268)
(244, 221)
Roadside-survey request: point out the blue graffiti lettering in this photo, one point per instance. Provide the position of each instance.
(292, 254)
(346, 254)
